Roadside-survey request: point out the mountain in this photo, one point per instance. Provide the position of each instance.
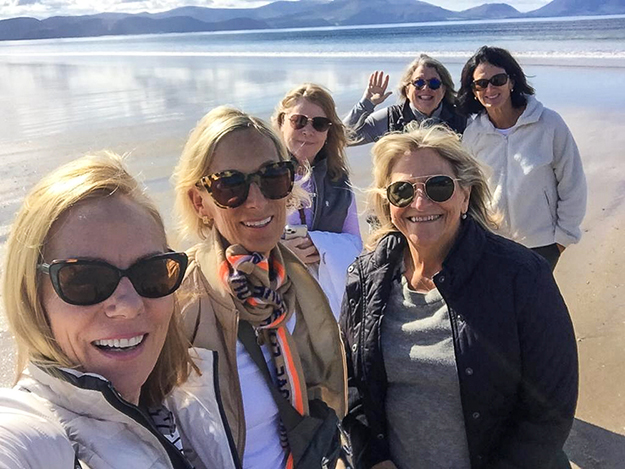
(105, 25)
(283, 14)
(580, 8)
(491, 10)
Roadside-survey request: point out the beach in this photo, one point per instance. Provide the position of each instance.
(53, 111)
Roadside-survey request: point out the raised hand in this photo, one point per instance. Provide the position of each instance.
(376, 89)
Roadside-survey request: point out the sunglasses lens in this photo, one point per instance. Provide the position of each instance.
(434, 83)
(276, 180)
(439, 188)
(499, 79)
(480, 84)
(229, 189)
(298, 121)
(400, 193)
(158, 276)
(321, 124)
(419, 83)
(85, 284)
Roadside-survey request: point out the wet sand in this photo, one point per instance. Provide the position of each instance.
(58, 111)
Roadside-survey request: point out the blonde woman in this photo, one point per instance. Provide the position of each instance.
(461, 351)
(234, 184)
(105, 377)
(316, 138)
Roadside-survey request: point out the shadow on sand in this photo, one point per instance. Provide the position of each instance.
(592, 447)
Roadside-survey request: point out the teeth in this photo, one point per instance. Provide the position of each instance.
(120, 343)
(428, 218)
(256, 224)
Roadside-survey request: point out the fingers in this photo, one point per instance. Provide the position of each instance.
(303, 248)
(379, 79)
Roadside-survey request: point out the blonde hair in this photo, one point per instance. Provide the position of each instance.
(392, 147)
(337, 138)
(427, 61)
(198, 155)
(87, 178)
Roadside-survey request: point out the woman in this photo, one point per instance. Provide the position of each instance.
(88, 291)
(426, 94)
(315, 136)
(461, 352)
(233, 188)
(537, 178)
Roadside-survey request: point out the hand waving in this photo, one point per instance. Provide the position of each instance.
(376, 90)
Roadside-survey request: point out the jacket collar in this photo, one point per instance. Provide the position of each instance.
(532, 113)
(459, 264)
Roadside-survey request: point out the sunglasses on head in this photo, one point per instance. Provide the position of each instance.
(320, 124)
(433, 83)
(230, 188)
(85, 282)
(496, 80)
(437, 189)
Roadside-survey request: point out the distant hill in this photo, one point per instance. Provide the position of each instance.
(283, 14)
(580, 7)
(491, 10)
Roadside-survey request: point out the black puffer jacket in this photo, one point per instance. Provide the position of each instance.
(515, 350)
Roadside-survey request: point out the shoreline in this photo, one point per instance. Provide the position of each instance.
(157, 118)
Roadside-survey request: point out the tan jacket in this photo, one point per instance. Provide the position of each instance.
(210, 319)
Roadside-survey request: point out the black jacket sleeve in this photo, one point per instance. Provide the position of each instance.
(549, 382)
(367, 447)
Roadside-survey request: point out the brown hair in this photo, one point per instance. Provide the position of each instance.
(337, 134)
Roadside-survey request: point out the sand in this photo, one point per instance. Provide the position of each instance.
(58, 111)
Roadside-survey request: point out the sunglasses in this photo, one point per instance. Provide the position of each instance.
(230, 188)
(433, 83)
(85, 282)
(496, 80)
(320, 124)
(437, 189)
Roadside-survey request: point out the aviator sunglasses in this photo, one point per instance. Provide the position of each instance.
(230, 188)
(496, 80)
(320, 124)
(437, 189)
(85, 282)
(433, 83)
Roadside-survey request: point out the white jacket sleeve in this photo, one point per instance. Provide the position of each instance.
(336, 252)
(571, 185)
(30, 436)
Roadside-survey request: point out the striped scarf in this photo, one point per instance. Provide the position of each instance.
(265, 298)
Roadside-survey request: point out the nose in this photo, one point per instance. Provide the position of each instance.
(420, 200)
(255, 197)
(125, 302)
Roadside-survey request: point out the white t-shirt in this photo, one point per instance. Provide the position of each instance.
(262, 420)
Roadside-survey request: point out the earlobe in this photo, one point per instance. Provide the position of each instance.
(198, 202)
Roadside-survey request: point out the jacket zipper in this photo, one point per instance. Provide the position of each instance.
(176, 458)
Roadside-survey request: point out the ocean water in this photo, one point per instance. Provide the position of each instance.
(564, 38)
(62, 98)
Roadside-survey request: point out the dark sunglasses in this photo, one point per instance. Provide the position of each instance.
(230, 188)
(433, 83)
(437, 189)
(320, 124)
(496, 80)
(85, 282)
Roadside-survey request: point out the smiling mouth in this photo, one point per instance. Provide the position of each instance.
(424, 219)
(258, 224)
(426, 97)
(120, 345)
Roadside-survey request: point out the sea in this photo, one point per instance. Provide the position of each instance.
(141, 95)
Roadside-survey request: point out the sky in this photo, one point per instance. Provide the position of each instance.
(46, 8)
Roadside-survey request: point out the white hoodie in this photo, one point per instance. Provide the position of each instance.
(537, 178)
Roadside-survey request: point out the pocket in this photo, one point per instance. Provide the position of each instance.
(551, 208)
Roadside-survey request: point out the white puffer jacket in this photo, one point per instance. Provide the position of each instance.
(80, 421)
(537, 177)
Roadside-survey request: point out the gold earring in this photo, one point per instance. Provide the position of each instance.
(206, 220)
